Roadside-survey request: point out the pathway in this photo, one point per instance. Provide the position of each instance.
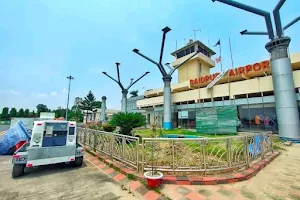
(279, 180)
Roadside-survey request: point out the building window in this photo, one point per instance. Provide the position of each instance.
(200, 49)
(185, 52)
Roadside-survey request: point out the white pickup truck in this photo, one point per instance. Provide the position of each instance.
(51, 142)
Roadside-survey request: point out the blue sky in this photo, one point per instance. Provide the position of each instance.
(42, 42)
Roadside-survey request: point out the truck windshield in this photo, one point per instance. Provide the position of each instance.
(56, 129)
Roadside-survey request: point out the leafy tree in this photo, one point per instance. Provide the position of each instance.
(21, 113)
(13, 112)
(41, 108)
(88, 104)
(60, 113)
(134, 93)
(127, 121)
(75, 116)
(26, 113)
(4, 115)
(97, 104)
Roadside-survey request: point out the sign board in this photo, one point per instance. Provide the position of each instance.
(47, 115)
(265, 65)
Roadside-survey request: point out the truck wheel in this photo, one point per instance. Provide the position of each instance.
(78, 161)
(18, 170)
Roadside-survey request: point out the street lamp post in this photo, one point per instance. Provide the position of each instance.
(70, 79)
(282, 74)
(167, 77)
(124, 90)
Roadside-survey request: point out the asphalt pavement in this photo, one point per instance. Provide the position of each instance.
(4, 127)
(59, 182)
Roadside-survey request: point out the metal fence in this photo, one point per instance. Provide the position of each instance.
(120, 147)
(204, 154)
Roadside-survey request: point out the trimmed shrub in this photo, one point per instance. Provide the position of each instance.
(108, 127)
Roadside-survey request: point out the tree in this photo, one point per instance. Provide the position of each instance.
(13, 112)
(60, 113)
(26, 113)
(21, 113)
(134, 93)
(88, 104)
(41, 108)
(4, 115)
(75, 116)
(97, 104)
(127, 121)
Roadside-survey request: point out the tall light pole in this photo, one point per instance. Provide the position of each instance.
(167, 77)
(124, 90)
(282, 74)
(70, 79)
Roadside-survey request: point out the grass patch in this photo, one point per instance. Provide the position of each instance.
(147, 133)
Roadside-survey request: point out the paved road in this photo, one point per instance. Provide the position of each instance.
(59, 182)
(4, 127)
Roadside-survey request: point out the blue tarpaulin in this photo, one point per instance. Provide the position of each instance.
(12, 137)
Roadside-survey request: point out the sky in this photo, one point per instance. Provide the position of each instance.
(42, 42)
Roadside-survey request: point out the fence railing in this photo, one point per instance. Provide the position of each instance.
(180, 154)
(120, 147)
(204, 154)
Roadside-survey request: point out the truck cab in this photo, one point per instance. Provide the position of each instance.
(51, 142)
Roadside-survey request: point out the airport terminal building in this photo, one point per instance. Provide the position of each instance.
(242, 97)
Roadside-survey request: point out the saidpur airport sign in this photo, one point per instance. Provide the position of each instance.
(233, 72)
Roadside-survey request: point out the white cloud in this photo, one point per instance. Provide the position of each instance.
(64, 90)
(39, 95)
(15, 92)
(53, 93)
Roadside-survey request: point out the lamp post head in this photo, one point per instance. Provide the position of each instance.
(166, 29)
(135, 50)
(243, 32)
(104, 73)
(147, 72)
(117, 63)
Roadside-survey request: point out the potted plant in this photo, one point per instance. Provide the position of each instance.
(153, 177)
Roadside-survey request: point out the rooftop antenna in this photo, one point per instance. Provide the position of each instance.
(282, 74)
(124, 90)
(195, 31)
(167, 77)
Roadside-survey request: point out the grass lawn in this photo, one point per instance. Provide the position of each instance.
(147, 133)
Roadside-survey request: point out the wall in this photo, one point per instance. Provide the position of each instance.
(255, 85)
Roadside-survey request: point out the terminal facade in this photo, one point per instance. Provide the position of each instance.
(247, 88)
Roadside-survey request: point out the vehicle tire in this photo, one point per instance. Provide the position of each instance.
(18, 170)
(78, 161)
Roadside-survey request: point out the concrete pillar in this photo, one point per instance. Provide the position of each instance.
(167, 103)
(103, 109)
(124, 101)
(284, 89)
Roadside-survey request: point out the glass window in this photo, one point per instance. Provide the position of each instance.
(56, 129)
(71, 130)
(257, 117)
(192, 49)
(187, 51)
(243, 117)
(180, 54)
(192, 120)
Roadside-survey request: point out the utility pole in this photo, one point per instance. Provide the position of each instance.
(282, 74)
(167, 77)
(124, 90)
(70, 79)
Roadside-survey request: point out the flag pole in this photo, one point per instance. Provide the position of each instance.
(221, 56)
(232, 66)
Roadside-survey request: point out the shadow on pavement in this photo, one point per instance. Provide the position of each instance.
(47, 170)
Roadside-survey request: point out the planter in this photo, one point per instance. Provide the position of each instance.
(153, 181)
